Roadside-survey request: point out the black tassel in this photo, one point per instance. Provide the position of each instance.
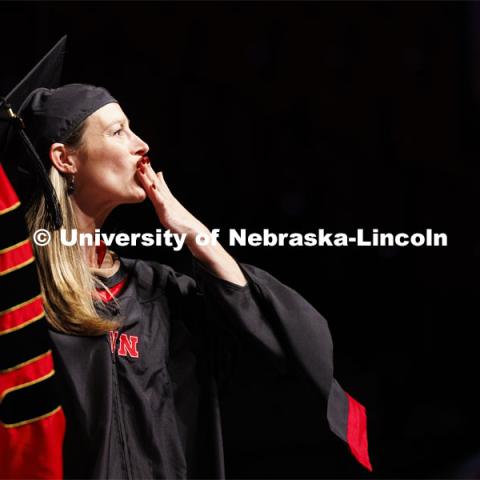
(54, 215)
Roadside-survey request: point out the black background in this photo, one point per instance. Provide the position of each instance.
(294, 117)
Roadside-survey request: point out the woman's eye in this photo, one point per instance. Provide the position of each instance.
(117, 132)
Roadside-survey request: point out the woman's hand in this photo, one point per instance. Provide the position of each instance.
(176, 218)
(171, 213)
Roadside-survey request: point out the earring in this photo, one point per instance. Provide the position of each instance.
(71, 185)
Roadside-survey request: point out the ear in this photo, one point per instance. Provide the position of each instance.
(63, 159)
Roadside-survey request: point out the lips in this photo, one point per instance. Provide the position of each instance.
(143, 161)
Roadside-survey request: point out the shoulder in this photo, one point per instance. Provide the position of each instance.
(152, 278)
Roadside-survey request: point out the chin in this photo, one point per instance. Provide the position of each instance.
(137, 195)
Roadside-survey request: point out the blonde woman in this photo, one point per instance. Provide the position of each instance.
(139, 349)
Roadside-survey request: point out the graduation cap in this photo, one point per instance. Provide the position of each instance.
(46, 73)
(37, 113)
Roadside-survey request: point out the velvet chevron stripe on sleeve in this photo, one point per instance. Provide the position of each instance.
(32, 422)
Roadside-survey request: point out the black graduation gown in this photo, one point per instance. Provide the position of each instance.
(143, 402)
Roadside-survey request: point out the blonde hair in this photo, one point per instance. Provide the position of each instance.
(68, 286)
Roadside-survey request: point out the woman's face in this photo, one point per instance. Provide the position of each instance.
(107, 161)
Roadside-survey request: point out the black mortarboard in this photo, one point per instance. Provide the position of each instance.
(39, 114)
(51, 114)
(46, 73)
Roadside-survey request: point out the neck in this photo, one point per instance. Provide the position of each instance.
(87, 221)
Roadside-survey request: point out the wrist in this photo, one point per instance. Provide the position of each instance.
(193, 232)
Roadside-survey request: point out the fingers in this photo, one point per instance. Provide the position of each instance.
(162, 182)
(151, 181)
(144, 176)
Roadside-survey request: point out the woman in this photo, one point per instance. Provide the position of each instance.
(139, 349)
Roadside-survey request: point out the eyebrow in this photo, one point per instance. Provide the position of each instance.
(121, 121)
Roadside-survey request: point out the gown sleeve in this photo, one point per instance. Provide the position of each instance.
(32, 423)
(284, 324)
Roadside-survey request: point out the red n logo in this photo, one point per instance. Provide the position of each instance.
(128, 344)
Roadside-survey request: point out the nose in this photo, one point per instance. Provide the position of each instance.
(141, 147)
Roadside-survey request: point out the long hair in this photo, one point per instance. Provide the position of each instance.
(67, 284)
